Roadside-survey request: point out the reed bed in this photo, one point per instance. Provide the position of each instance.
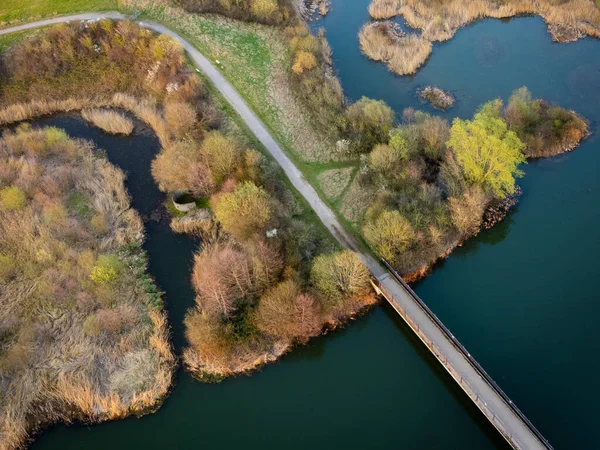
(403, 53)
(83, 332)
(111, 122)
(439, 20)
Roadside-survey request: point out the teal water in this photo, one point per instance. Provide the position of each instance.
(520, 297)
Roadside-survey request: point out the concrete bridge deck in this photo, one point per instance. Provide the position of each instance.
(488, 397)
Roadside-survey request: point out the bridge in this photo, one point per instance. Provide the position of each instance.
(502, 413)
(491, 400)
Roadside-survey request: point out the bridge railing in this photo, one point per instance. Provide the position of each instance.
(453, 372)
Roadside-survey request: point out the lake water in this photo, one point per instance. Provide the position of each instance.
(520, 297)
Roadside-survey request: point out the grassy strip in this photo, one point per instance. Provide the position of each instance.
(15, 11)
(8, 40)
(244, 133)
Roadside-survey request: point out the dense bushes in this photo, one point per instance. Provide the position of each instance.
(313, 80)
(72, 292)
(245, 211)
(545, 130)
(119, 65)
(95, 59)
(432, 183)
(258, 291)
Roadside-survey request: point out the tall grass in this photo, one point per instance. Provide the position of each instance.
(403, 54)
(384, 9)
(73, 346)
(567, 20)
(109, 121)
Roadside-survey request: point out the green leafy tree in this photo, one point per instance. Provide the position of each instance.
(244, 211)
(370, 122)
(488, 153)
(339, 276)
(389, 234)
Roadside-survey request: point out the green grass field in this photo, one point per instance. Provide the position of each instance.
(18, 10)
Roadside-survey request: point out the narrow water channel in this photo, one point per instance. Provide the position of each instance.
(370, 385)
(521, 297)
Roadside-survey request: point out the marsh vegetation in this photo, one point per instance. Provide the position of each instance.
(111, 122)
(82, 331)
(438, 98)
(438, 20)
(257, 227)
(385, 42)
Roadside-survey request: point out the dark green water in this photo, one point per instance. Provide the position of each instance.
(520, 297)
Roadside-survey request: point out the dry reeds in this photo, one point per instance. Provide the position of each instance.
(567, 20)
(73, 346)
(384, 9)
(403, 54)
(109, 121)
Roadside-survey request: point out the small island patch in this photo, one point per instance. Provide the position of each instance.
(438, 98)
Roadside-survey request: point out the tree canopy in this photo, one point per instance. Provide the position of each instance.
(487, 151)
(244, 211)
(339, 276)
(389, 234)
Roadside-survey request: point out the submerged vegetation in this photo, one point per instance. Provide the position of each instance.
(438, 20)
(82, 331)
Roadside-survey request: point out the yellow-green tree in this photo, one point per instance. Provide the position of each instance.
(488, 153)
(244, 211)
(106, 270)
(389, 234)
(304, 61)
(370, 122)
(340, 275)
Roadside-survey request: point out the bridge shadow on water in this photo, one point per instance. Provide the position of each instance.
(445, 379)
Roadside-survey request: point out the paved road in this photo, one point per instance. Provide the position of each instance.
(501, 415)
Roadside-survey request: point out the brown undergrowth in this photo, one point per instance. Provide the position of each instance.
(82, 331)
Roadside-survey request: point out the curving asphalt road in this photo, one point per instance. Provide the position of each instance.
(487, 398)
